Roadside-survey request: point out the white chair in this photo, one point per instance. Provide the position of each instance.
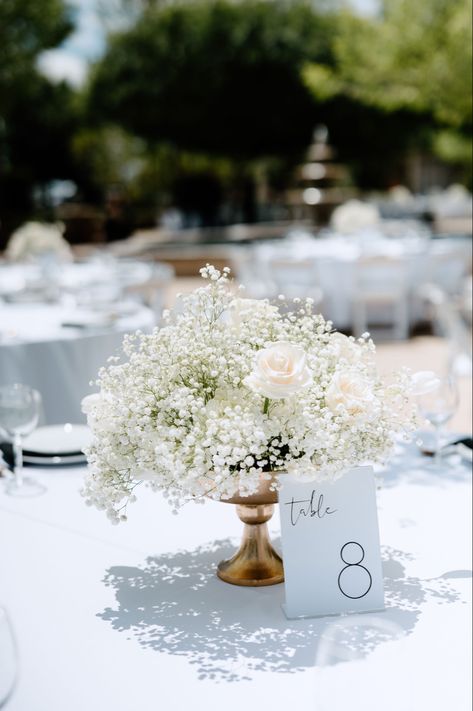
(449, 322)
(269, 269)
(448, 265)
(295, 278)
(153, 292)
(250, 267)
(381, 295)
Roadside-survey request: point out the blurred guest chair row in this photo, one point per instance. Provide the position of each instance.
(354, 288)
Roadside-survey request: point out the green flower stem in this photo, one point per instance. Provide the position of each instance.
(266, 406)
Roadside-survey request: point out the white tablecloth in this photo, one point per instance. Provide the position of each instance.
(74, 275)
(133, 617)
(57, 360)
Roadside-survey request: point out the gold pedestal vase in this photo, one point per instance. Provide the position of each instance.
(256, 563)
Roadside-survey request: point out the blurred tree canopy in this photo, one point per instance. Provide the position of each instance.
(415, 57)
(193, 90)
(37, 117)
(27, 27)
(252, 78)
(216, 76)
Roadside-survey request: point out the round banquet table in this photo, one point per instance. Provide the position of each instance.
(58, 350)
(336, 261)
(72, 276)
(133, 617)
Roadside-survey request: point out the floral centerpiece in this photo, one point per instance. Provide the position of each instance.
(231, 391)
(35, 239)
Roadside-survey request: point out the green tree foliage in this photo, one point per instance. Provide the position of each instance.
(27, 27)
(415, 56)
(371, 141)
(37, 118)
(218, 76)
(411, 67)
(112, 156)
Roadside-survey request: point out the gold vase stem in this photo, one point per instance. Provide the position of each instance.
(256, 563)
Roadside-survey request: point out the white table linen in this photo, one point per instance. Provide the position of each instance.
(58, 360)
(73, 276)
(133, 617)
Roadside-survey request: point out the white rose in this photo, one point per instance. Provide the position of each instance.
(424, 381)
(280, 371)
(348, 392)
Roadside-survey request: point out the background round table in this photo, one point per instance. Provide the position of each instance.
(58, 350)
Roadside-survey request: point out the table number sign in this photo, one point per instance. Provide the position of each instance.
(330, 541)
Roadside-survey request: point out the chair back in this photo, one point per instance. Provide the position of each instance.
(381, 276)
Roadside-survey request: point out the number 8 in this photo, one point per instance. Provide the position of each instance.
(342, 578)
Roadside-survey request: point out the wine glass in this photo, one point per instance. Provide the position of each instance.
(438, 407)
(19, 414)
(8, 659)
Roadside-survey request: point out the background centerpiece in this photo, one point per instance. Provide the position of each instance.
(229, 392)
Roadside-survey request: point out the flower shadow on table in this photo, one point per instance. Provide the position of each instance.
(175, 604)
(407, 465)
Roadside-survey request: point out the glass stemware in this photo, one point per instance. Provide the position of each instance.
(8, 659)
(438, 407)
(19, 414)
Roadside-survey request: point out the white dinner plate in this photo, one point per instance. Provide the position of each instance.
(90, 320)
(57, 440)
(57, 460)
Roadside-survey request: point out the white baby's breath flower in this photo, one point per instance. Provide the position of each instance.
(89, 402)
(345, 347)
(147, 475)
(245, 310)
(183, 413)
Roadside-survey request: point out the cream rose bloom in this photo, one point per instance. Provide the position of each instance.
(349, 393)
(280, 371)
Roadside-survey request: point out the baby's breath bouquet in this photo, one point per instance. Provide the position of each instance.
(231, 390)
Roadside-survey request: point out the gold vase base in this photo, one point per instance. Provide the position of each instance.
(233, 576)
(256, 563)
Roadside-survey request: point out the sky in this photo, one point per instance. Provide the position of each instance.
(86, 44)
(70, 61)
